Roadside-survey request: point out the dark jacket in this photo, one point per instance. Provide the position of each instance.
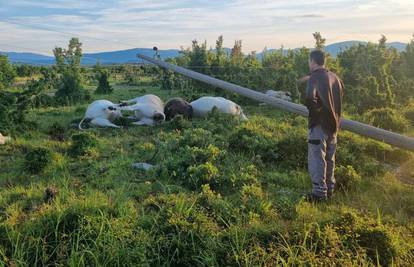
(324, 100)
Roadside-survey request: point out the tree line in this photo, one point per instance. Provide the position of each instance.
(379, 80)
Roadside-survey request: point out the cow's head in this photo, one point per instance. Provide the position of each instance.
(240, 113)
(113, 112)
(158, 117)
(178, 106)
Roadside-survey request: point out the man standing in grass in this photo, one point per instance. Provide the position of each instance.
(324, 101)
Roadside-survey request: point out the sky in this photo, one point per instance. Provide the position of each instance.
(106, 25)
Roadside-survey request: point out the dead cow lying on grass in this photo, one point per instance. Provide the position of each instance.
(201, 107)
(100, 113)
(148, 109)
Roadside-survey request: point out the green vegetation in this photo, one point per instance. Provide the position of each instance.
(102, 75)
(37, 159)
(208, 201)
(223, 192)
(70, 88)
(7, 72)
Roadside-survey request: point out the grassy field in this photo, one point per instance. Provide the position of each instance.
(223, 193)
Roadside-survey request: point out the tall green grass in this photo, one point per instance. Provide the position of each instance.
(223, 193)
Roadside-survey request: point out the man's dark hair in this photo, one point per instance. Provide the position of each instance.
(318, 56)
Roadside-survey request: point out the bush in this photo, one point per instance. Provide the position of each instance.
(362, 154)
(57, 132)
(258, 143)
(43, 100)
(37, 159)
(13, 109)
(123, 121)
(71, 89)
(379, 244)
(83, 144)
(409, 114)
(179, 123)
(346, 178)
(184, 233)
(287, 148)
(293, 149)
(195, 166)
(361, 232)
(202, 174)
(387, 118)
(7, 72)
(103, 84)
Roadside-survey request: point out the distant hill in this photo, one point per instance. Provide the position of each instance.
(129, 56)
(336, 48)
(114, 57)
(29, 58)
(125, 56)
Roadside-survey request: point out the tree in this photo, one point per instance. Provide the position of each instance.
(7, 72)
(219, 57)
(407, 57)
(319, 41)
(368, 75)
(103, 84)
(236, 53)
(198, 57)
(68, 65)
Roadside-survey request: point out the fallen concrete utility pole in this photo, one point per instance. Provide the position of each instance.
(388, 137)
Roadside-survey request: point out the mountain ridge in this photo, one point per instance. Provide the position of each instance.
(129, 55)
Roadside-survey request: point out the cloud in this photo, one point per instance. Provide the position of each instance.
(310, 16)
(120, 24)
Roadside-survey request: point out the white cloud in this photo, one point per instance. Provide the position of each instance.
(110, 24)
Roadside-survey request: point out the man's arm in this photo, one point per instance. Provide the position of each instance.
(311, 99)
(304, 79)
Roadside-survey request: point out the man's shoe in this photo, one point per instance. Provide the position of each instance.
(314, 198)
(330, 194)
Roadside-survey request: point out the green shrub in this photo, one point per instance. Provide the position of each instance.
(183, 232)
(293, 150)
(13, 109)
(57, 132)
(202, 174)
(217, 206)
(346, 178)
(195, 166)
(387, 118)
(378, 243)
(245, 175)
(103, 84)
(83, 143)
(197, 137)
(180, 123)
(409, 114)
(358, 232)
(254, 201)
(7, 72)
(363, 155)
(255, 142)
(71, 88)
(37, 159)
(287, 149)
(43, 100)
(122, 121)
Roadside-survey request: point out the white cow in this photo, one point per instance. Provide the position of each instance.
(204, 105)
(101, 113)
(279, 94)
(148, 109)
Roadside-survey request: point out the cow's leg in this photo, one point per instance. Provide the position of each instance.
(144, 121)
(101, 122)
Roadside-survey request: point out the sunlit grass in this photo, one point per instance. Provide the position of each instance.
(251, 212)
